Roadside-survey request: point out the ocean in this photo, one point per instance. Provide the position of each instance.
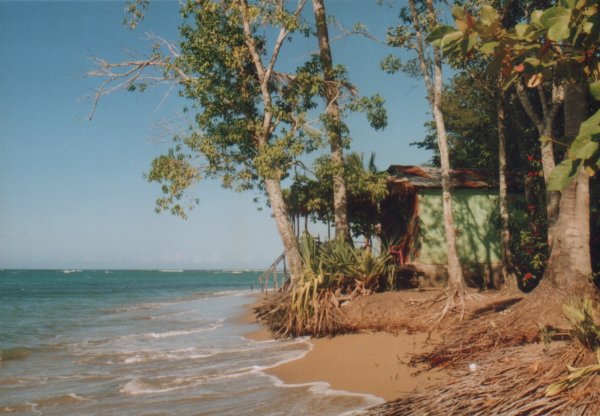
(83, 342)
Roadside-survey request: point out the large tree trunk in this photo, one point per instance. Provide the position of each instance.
(569, 266)
(284, 226)
(331, 90)
(507, 259)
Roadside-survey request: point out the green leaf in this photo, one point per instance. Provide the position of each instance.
(556, 20)
(595, 90)
(536, 17)
(559, 31)
(439, 32)
(458, 12)
(570, 4)
(488, 47)
(562, 174)
(533, 61)
(521, 29)
(591, 126)
(488, 15)
(583, 147)
(469, 43)
(450, 38)
(553, 15)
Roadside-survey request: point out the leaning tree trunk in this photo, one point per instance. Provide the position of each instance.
(569, 267)
(332, 111)
(284, 226)
(272, 180)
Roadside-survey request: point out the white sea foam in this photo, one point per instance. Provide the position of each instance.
(233, 293)
(176, 355)
(324, 388)
(137, 386)
(168, 334)
(76, 397)
(319, 387)
(174, 314)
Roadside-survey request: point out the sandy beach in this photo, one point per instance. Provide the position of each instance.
(370, 363)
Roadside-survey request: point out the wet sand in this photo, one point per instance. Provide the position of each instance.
(369, 363)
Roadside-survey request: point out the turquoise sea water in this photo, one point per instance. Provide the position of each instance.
(77, 342)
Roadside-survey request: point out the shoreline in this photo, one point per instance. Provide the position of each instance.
(371, 364)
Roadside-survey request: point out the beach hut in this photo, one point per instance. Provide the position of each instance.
(412, 216)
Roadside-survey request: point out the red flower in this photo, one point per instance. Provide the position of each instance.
(530, 158)
(528, 276)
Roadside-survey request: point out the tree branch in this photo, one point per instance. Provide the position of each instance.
(528, 107)
(283, 33)
(125, 75)
(421, 51)
(347, 32)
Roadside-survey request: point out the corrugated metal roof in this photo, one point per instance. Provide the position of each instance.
(429, 177)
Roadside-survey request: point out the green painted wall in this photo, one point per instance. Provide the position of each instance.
(478, 235)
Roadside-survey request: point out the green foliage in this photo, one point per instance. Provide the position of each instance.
(529, 242)
(366, 188)
(469, 116)
(374, 109)
(135, 9)
(583, 151)
(248, 128)
(558, 43)
(176, 174)
(223, 84)
(332, 272)
(582, 317)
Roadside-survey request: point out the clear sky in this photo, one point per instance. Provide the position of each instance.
(72, 191)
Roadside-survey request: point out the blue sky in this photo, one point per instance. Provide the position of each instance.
(72, 190)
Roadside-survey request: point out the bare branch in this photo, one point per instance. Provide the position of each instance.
(125, 75)
(347, 32)
(283, 33)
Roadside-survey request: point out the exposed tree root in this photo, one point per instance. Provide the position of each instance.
(537, 316)
(508, 381)
(323, 318)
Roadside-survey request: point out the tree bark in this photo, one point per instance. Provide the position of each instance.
(456, 282)
(545, 127)
(569, 266)
(507, 258)
(284, 226)
(332, 111)
(272, 180)
(431, 70)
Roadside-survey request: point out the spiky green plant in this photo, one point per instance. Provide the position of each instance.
(331, 271)
(581, 316)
